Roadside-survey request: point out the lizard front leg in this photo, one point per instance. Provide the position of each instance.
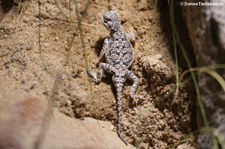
(103, 50)
(131, 35)
(90, 73)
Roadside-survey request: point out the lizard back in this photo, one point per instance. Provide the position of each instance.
(120, 51)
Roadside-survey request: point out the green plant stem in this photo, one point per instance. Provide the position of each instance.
(189, 65)
(174, 44)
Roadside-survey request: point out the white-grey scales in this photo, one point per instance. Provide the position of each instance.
(119, 55)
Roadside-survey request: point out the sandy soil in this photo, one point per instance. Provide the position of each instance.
(56, 72)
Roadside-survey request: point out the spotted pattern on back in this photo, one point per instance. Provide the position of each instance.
(120, 51)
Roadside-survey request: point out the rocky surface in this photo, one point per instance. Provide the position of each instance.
(29, 122)
(206, 26)
(55, 70)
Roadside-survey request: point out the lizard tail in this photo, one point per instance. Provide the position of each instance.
(119, 112)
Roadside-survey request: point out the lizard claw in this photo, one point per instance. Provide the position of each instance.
(91, 75)
(132, 35)
(136, 100)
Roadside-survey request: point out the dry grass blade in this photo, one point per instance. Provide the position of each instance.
(39, 38)
(61, 10)
(215, 75)
(211, 72)
(70, 15)
(49, 111)
(189, 137)
(23, 7)
(220, 138)
(79, 25)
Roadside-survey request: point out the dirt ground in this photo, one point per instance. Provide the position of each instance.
(54, 71)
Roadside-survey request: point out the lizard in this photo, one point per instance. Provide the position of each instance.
(119, 54)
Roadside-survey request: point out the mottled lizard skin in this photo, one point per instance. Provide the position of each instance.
(119, 55)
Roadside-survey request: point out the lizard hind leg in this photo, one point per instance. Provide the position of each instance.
(102, 66)
(133, 90)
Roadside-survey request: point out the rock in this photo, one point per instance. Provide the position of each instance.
(154, 64)
(68, 96)
(206, 26)
(28, 122)
(20, 122)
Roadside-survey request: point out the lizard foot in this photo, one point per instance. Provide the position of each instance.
(136, 100)
(132, 35)
(91, 75)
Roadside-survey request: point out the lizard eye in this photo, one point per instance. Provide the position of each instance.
(106, 19)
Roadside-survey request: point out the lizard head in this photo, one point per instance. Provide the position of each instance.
(111, 20)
